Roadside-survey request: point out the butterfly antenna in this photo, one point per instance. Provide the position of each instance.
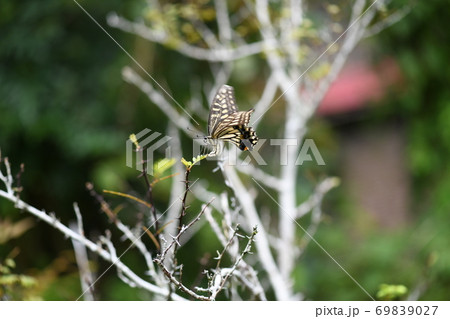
(196, 135)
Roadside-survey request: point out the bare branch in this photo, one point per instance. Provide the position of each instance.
(142, 249)
(177, 187)
(175, 242)
(69, 233)
(223, 21)
(247, 275)
(353, 34)
(387, 22)
(226, 273)
(316, 198)
(183, 229)
(269, 36)
(262, 244)
(227, 245)
(261, 176)
(158, 99)
(81, 257)
(215, 227)
(180, 285)
(52, 221)
(7, 179)
(207, 34)
(212, 55)
(79, 219)
(265, 102)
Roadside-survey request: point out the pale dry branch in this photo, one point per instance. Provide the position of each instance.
(227, 246)
(262, 244)
(389, 21)
(158, 99)
(183, 228)
(218, 54)
(316, 197)
(223, 21)
(207, 34)
(358, 23)
(74, 235)
(81, 257)
(136, 241)
(422, 285)
(221, 277)
(265, 102)
(214, 290)
(247, 275)
(180, 285)
(261, 176)
(215, 227)
(177, 185)
(80, 227)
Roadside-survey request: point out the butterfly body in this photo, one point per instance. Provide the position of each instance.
(227, 123)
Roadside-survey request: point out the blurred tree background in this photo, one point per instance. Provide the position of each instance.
(414, 255)
(65, 112)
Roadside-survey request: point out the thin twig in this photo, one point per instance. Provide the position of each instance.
(150, 197)
(79, 218)
(316, 197)
(230, 241)
(180, 285)
(220, 54)
(176, 239)
(176, 242)
(52, 221)
(104, 206)
(230, 271)
(81, 257)
(389, 21)
(262, 244)
(183, 201)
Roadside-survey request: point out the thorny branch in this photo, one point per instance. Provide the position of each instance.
(221, 276)
(110, 253)
(176, 243)
(97, 249)
(176, 240)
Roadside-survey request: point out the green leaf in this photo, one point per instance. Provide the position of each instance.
(391, 292)
(163, 165)
(186, 163)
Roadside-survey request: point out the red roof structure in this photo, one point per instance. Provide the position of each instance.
(357, 85)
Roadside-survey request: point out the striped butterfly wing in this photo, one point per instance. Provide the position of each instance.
(224, 103)
(227, 123)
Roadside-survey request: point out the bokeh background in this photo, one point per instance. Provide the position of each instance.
(384, 129)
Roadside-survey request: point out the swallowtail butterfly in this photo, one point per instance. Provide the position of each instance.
(227, 123)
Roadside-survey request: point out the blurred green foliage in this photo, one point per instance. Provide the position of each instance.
(14, 286)
(415, 257)
(391, 292)
(419, 42)
(61, 113)
(66, 113)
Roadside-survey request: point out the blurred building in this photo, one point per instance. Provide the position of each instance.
(372, 157)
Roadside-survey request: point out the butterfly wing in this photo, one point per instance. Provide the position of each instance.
(227, 123)
(231, 125)
(224, 104)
